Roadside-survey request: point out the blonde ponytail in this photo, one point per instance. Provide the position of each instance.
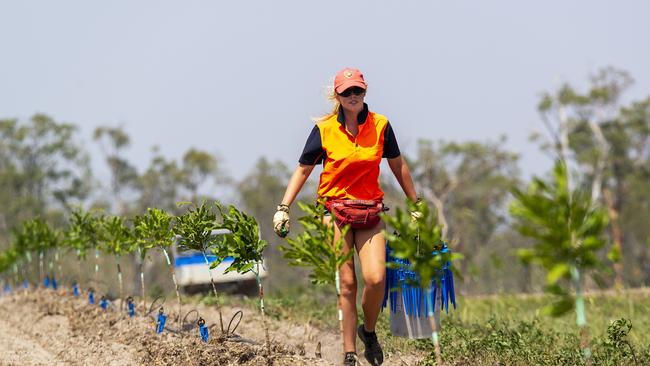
(336, 105)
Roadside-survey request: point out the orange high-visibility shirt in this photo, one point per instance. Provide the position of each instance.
(350, 163)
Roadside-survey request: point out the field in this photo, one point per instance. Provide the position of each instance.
(47, 328)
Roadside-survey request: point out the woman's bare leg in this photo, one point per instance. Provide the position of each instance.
(348, 294)
(371, 246)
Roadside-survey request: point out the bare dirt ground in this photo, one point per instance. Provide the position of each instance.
(45, 328)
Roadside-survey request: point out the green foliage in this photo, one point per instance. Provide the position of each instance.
(83, 231)
(115, 237)
(194, 227)
(154, 229)
(42, 169)
(528, 343)
(243, 244)
(8, 258)
(36, 235)
(616, 348)
(315, 246)
(419, 241)
(566, 227)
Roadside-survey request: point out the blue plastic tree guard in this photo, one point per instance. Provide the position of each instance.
(416, 301)
(103, 303)
(130, 306)
(203, 330)
(160, 324)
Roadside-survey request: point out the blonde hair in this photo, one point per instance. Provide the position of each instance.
(336, 105)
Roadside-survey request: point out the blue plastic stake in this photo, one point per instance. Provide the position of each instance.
(25, 284)
(203, 330)
(75, 290)
(162, 318)
(46, 281)
(130, 307)
(103, 303)
(91, 297)
(54, 284)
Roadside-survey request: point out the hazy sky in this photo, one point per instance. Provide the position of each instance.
(242, 78)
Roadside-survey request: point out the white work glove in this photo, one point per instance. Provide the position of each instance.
(281, 220)
(417, 213)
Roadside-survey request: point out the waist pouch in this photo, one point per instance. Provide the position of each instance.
(359, 214)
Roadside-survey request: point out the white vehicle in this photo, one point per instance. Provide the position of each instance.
(193, 274)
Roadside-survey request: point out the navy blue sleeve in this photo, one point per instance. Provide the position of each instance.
(391, 149)
(313, 152)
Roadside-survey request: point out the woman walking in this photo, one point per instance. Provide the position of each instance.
(350, 143)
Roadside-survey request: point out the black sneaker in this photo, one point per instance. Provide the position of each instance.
(373, 351)
(350, 359)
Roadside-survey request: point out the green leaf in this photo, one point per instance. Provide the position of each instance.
(559, 308)
(559, 271)
(614, 254)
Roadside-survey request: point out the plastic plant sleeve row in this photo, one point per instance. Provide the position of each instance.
(418, 302)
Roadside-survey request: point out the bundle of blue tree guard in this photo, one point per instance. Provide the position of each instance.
(418, 300)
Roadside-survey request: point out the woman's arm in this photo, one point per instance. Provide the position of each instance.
(296, 182)
(403, 175)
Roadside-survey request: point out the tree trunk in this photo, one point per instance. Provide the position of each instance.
(617, 238)
(178, 294)
(214, 289)
(266, 327)
(581, 318)
(337, 280)
(434, 328)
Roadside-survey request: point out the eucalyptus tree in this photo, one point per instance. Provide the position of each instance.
(315, 248)
(265, 182)
(154, 229)
(193, 231)
(43, 168)
(198, 166)
(609, 145)
(160, 185)
(113, 141)
(567, 227)
(116, 239)
(420, 242)
(469, 184)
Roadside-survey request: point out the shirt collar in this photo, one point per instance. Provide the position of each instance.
(361, 118)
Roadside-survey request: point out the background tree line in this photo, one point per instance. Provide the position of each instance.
(45, 171)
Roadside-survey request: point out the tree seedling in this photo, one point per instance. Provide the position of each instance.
(155, 230)
(82, 235)
(193, 231)
(315, 248)
(115, 239)
(421, 243)
(246, 248)
(568, 229)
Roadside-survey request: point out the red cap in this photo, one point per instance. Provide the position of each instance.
(348, 77)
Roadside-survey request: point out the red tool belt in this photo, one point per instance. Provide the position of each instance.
(359, 214)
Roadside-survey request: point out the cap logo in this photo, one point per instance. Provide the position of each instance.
(347, 74)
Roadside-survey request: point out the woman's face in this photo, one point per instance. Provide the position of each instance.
(351, 99)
